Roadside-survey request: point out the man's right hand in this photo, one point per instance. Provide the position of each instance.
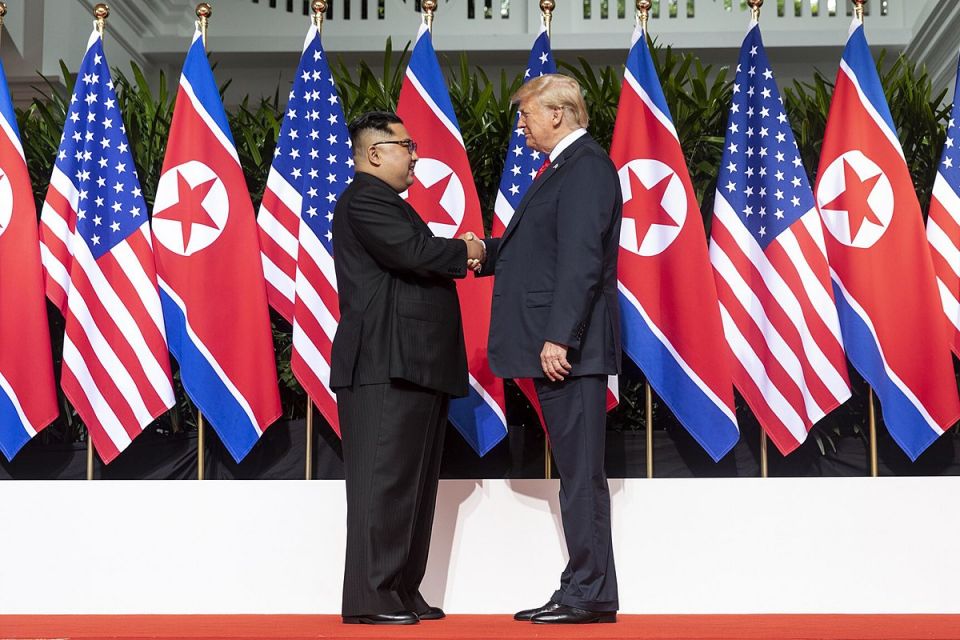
(476, 250)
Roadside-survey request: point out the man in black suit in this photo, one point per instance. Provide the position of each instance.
(397, 358)
(556, 319)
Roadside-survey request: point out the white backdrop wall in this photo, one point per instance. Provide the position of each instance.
(805, 545)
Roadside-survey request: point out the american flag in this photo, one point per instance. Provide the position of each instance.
(943, 225)
(519, 170)
(99, 269)
(522, 162)
(312, 165)
(769, 260)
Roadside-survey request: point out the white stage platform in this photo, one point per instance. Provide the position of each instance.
(804, 545)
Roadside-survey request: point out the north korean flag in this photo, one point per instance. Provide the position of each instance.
(881, 268)
(212, 288)
(445, 196)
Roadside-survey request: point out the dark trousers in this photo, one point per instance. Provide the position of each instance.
(392, 444)
(576, 416)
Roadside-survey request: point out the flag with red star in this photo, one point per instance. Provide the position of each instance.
(445, 196)
(669, 313)
(880, 263)
(770, 264)
(28, 396)
(212, 288)
(943, 224)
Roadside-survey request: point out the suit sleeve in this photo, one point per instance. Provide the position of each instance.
(400, 245)
(490, 264)
(584, 210)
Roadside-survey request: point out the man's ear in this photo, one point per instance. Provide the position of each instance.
(373, 156)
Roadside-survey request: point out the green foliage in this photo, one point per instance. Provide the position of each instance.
(698, 96)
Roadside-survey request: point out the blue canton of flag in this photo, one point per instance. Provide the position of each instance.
(94, 153)
(522, 162)
(314, 152)
(761, 175)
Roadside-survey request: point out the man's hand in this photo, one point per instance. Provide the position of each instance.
(476, 250)
(553, 361)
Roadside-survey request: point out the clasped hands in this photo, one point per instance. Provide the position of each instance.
(476, 250)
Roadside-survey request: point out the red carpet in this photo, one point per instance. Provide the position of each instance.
(473, 627)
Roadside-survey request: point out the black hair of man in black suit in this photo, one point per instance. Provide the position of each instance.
(555, 319)
(397, 358)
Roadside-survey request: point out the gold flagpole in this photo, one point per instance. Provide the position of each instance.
(204, 11)
(319, 11)
(428, 7)
(100, 12)
(764, 459)
(643, 16)
(546, 12)
(871, 410)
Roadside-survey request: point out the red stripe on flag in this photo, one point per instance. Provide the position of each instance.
(105, 447)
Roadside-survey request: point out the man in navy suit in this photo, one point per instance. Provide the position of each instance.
(555, 319)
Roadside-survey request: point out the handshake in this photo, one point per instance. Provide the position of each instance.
(476, 250)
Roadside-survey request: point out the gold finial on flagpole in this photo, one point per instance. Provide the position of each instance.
(858, 9)
(643, 13)
(3, 14)
(204, 11)
(101, 12)
(755, 8)
(546, 9)
(428, 7)
(319, 11)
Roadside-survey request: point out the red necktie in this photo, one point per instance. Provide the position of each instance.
(543, 168)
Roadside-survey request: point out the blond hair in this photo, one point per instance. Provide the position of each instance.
(555, 91)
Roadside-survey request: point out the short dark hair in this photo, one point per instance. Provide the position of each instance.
(375, 120)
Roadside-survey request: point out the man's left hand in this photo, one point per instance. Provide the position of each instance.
(553, 361)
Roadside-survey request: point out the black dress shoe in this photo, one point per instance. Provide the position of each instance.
(527, 614)
(399, 617)
(572, 615)
(431, 613)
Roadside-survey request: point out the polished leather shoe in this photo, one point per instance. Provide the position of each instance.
(564, 614)
(527, 614)
(398, 617)
(431, 613)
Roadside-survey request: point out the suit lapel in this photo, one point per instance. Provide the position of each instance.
(539, 182)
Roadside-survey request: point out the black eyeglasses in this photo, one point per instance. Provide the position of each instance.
(408, 144)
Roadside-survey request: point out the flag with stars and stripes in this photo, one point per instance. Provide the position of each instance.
(208, 263)
(445, 196)
(943, 224)
(312, 165)
(880, 264)
(99, 269)
(522, 162)
(770, 265)
(28, 396)
(519, 169)
(669, 314)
